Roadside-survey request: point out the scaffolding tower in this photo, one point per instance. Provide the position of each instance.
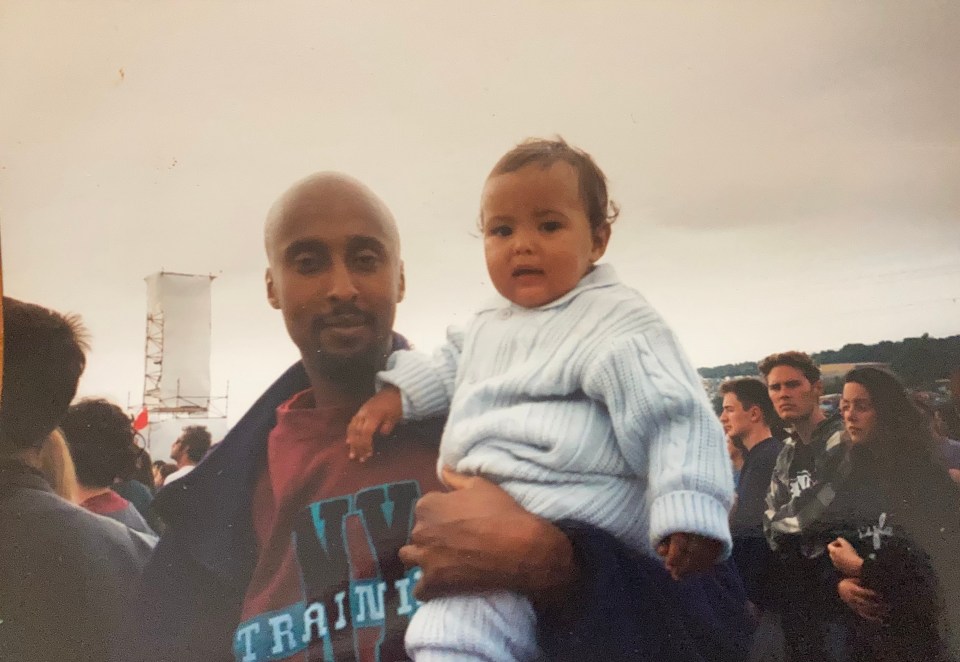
(176, 382)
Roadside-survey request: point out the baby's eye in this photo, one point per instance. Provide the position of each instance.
(551, 226)
(501, 230)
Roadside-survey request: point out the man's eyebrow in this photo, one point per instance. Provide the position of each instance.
(361, 241)
(301, 245)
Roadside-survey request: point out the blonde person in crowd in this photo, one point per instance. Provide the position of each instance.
(56, 465)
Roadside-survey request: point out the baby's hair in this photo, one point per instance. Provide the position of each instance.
(593, 183)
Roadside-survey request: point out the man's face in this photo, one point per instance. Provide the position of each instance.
(794, 397)
(335, 274)
(176, 450)
(737, 422)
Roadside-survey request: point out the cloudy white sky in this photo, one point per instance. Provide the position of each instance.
(788, 172)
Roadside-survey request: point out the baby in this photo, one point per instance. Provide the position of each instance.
(572, 395)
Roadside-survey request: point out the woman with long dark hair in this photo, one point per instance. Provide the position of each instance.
(897, 517)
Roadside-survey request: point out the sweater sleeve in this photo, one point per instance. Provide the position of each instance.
(426, 383)
(667, 432)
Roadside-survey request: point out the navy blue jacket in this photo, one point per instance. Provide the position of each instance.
(751, 553)
(191, 593)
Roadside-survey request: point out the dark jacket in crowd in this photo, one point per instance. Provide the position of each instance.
(141, 497)
(66, 574)
(908, 535)
(751, 553)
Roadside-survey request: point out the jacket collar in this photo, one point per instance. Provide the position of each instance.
(16, 474)
(211, 507)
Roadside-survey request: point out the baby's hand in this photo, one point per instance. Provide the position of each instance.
(687, 553)
(378, 415)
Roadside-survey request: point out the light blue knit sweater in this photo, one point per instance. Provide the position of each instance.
(584, 408)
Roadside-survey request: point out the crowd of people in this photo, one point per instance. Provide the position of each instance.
(845, 540)
(551, 484)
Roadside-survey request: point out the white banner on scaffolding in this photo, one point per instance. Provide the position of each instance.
(178, 343)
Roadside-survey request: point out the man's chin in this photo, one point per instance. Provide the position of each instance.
(341, 363)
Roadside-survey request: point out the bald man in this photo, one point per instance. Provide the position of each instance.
(279, 547)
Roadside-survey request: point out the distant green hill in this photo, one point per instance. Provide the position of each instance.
(917, 361)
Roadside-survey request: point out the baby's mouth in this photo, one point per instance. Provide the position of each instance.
(526, 271)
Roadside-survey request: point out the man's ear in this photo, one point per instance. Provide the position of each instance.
(818, 387)
(271, 292)
(756, 414)
(402, 285)
(601, 236)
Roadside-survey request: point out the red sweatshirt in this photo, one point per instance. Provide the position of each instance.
(328, 529)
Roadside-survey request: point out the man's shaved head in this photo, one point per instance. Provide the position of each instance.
(327, 195)
(335, 274)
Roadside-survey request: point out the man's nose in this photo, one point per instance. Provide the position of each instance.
(340, 284)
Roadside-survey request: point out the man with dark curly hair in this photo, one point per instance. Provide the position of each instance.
(101, 440)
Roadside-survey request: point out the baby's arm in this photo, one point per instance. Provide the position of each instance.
(378, 415)
(414, 386)
(670, 436)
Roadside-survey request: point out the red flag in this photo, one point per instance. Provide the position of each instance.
(140, 421)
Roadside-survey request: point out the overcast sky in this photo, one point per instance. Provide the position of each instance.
(788, 172)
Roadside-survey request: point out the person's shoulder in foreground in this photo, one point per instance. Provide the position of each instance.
(65, 573)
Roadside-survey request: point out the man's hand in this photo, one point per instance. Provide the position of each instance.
(477, 538)
(864, 602)
(687, 553)
(845, 557)
(378, 415)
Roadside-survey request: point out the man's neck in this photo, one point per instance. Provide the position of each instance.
(805, 427)
(340, 393)
(755, 437)
(348, 388)
(185, 462)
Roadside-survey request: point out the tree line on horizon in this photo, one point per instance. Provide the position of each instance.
(918, 362)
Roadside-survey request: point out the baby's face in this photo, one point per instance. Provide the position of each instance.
(537, 238)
